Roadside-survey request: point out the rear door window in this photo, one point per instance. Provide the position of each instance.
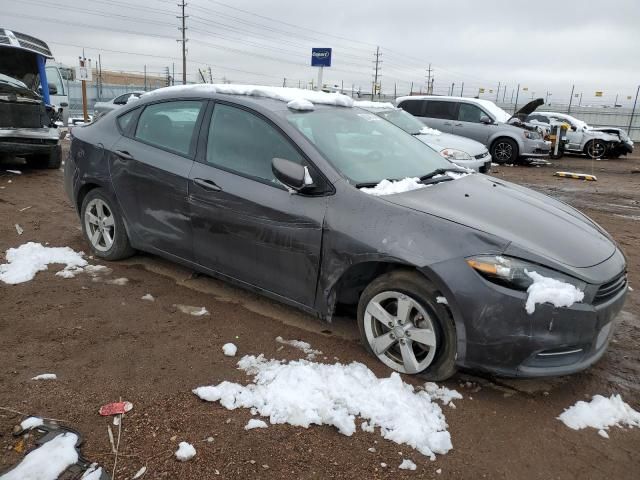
(470, 113)
(444, 110)
(170, 125)
(414, 107)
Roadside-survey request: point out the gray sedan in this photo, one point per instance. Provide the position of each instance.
(296, 195)
(101, 108)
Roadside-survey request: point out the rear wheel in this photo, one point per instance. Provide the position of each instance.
(404, 326)
(104, 228)
(504, 150)
(595, 149)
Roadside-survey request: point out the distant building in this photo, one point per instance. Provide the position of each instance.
(109, 77)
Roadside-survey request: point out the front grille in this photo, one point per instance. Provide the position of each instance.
(29, 141)
(611, 288)
(32, 43)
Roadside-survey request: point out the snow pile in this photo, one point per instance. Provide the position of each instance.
(148, 297)
(302, 393)
(48, 461)
(229, 349)
(283, 94)
(45, 376)
(430, 131)
(30, 258)
(372, 105)
(549, 290)
(386, 187)
(300, 104)
(442, 394)
(31, 422)
(601, 413)
(300, 345)
(185, 451)
(132, 98)
(189, 310)
(255, 423)
(407, 465)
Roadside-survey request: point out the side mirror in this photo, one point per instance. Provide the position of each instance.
(53, 90)
(486, 120)
(291, 174)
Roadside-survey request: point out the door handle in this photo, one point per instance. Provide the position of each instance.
(124, 154)
(207, 184)
(447, 123)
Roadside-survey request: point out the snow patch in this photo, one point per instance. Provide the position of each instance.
(442, 394)
(372, 105)
(122, 281)
(48, 461)
(283, 94)
(549, 290)
(300, 104)
(407, 465)
(30, 258)
(300, 345)
(185, 451)
(386, 187)
(303, 393)
(442, 300)
(189, 310)
(93, 473)
(601, 413)
(31, 422)
(229, 349)
(255, 423)
(430, 131)
(45, 376)
(148, 297)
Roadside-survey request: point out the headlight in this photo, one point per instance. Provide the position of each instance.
(532, 135)
(510, 272)
(453, 154)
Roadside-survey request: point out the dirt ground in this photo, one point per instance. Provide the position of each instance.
(105, 343)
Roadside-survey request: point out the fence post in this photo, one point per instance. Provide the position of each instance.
(571, 99)
(633, 111)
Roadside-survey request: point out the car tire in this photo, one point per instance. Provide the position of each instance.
(51, 160)
(504, 151)
(103, 227)
(595, 149)
(397, 340)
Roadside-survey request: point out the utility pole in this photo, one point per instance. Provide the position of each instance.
(571, 98)
(515, 109)
(377, 69)
(145, 78)
(99, 78)
(429, 79)
(183, 18)
(452, 85)
(615, 103)
(462, 89)
(633, 111)
(498, 92)
(411, 89)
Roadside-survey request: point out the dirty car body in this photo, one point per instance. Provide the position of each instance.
(27, 123)
(319, 248)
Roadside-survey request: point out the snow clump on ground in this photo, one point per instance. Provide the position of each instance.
(229, 349)
(601, 413)
(185, 451)
(47, 461)
(304, 393)
(30, 258)
(300, 345)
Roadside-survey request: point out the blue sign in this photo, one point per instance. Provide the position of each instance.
(320, 57)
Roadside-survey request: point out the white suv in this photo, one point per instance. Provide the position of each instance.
(480, 120)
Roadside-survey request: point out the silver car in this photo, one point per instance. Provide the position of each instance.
(100, 108)
(480, 120)
(582, 139)
(459, 150)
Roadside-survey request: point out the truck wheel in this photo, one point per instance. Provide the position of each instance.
(402, 323)
(595, 149)
(504, 150)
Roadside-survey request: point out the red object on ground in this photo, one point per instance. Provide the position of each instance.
(116, 408)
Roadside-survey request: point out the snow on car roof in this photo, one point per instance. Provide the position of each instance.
(498, 113)
(370, 104)
(295, 97)
(564, 116)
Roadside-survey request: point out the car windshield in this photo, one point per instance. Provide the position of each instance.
(402, 119)
(365, 148)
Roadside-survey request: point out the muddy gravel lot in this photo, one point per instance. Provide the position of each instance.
(105, 343)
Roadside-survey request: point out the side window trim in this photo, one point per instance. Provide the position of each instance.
(131, 127)
(203, 141)
(196, 128)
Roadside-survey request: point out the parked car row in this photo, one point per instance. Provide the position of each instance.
(302, 197)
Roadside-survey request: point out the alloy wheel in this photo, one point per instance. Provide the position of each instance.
(596, 150)
(400, 332)
(503, 152)
(99, 225)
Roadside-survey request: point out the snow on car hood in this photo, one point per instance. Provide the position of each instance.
(530, 220)
(447, 140)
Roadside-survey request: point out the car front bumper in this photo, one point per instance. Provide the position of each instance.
(480, 163)
(26, 141)
(535, 148)
(496, 335)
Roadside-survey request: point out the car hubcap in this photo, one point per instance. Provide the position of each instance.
(596, 150)
(99, 225)
(400, 332)
(503, 152)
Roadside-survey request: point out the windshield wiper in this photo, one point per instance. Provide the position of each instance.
(366, 184)
(441, 171)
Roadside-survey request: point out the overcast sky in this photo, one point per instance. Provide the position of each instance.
(543, 46)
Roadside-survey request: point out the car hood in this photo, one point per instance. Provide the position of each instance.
(446, 140)
(534, 222)
(528, 109)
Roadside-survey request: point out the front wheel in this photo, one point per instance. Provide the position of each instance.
(504, 150)
(402, 323)
(595, 149)
(103, 227)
